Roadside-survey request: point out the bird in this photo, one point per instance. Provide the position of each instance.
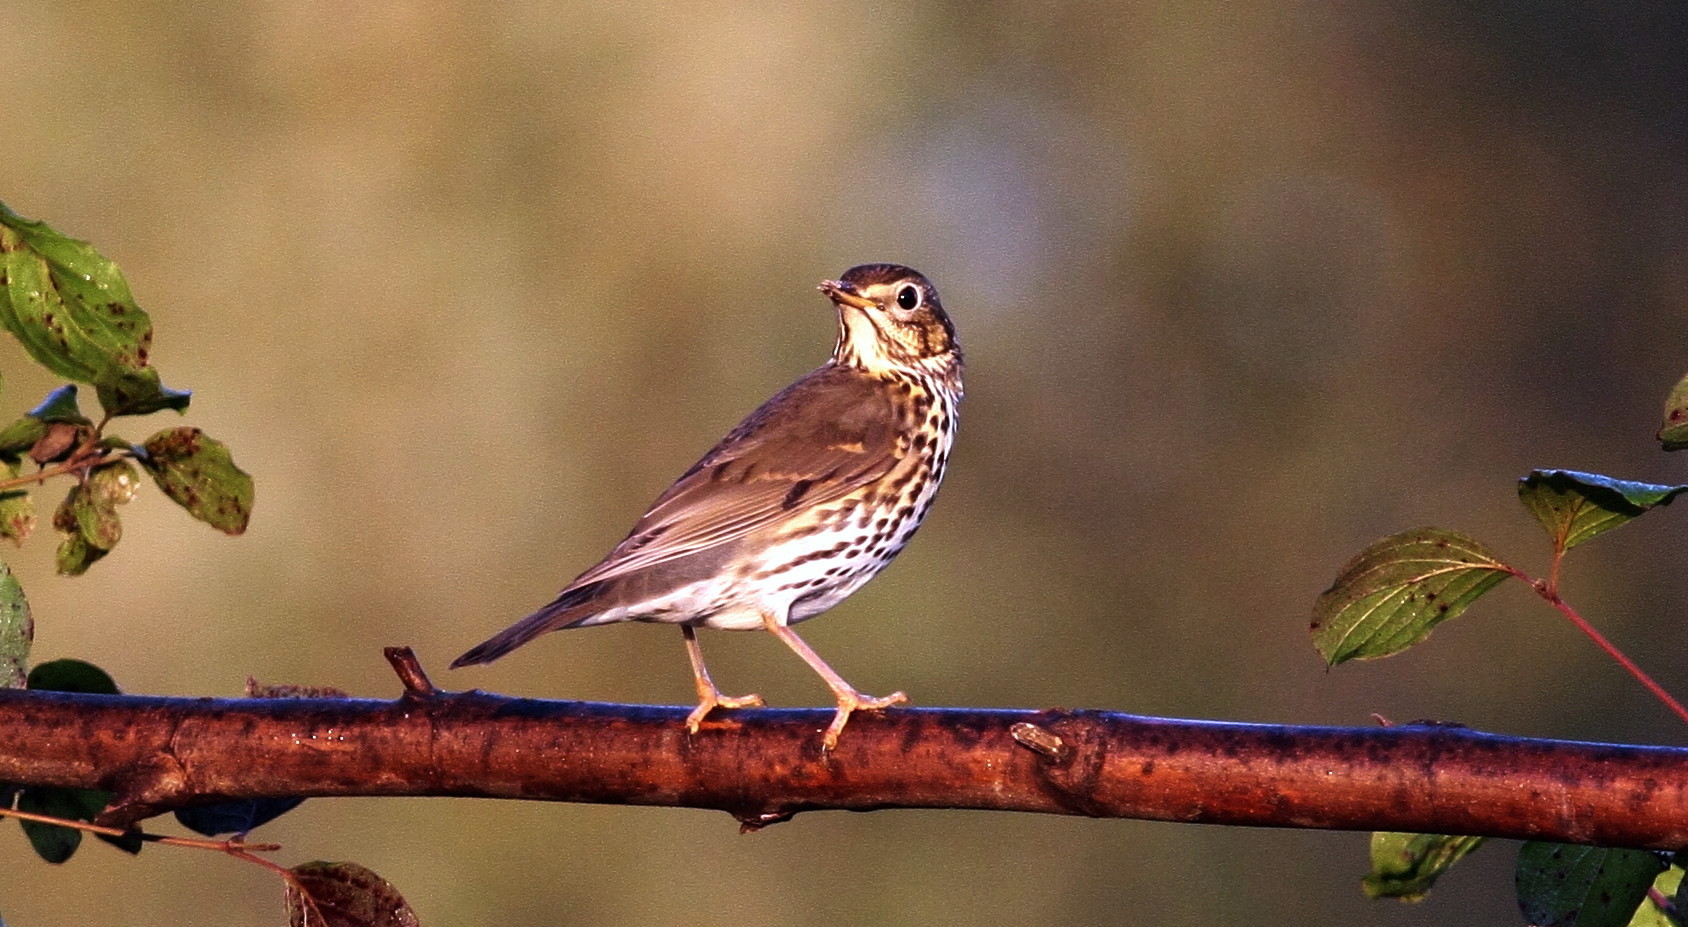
(800, 505)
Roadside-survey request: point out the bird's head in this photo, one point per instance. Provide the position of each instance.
(889, 318)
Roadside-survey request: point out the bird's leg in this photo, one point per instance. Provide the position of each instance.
(708, 696)
(848, 698)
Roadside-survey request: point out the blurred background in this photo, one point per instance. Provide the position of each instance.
(1243, 288)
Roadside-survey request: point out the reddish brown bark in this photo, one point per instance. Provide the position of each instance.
(764, 765)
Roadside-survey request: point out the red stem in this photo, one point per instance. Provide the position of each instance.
(1666, 906)
(1552, 595)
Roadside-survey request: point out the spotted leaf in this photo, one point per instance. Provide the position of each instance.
(68, 304)
(344, 895)
(198, 472)
(1573, 507)
(17, 631)
(1395, 592)
(1560, 885)
(1673, 434)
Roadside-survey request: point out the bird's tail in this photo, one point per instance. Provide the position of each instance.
(565, 612)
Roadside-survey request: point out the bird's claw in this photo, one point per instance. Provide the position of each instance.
(710, 700)
(849, 702)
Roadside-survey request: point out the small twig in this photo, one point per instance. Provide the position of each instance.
(234, 846)
(1546, 591)
(290, 878)
(409, 670)
(87, 455)
(1553, 571)
(81, 460)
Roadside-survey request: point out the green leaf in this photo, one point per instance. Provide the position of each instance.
(114, 483)
(140, 392)
(17, 506)
(61, 406)
(198, 472)
(17, 631)
(21, 435)
(97, 520)
(1405, 866)
(1560, 885)
(108, 487)
(88, 516)
(345, 895)
(71, 675)
(1673, 434)
(32, 309)
(75, 555)
(1573, 507)
(1669, 885)
(1395, 592)
(90, 530)
(69, 306)
(52, 842)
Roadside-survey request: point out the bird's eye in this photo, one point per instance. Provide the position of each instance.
(908, 297)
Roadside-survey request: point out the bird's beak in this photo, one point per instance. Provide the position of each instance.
(844, 294)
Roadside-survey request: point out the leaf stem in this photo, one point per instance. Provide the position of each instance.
(1666, 906)
(234, 846)
(79, 461)
(1548, 591)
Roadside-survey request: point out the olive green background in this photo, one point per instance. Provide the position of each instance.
(1243, 287)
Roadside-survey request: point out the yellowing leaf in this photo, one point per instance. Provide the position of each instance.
(1405, 866)
(17, 631)
(1573, 507)
(1396, 591)
(17, 506)
(1673, 434)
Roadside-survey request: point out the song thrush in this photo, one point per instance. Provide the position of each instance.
(797, 507)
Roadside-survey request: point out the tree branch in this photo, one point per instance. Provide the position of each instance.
(765, 765)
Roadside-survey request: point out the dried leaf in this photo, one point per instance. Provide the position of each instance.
(345, 895)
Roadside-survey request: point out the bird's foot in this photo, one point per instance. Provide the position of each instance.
(711, 698)
(849, 701)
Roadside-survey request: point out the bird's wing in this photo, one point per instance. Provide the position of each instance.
(823, 437)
